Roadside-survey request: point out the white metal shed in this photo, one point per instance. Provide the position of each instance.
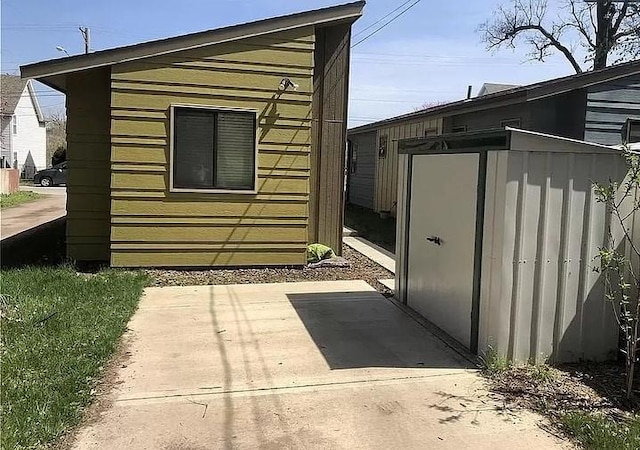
(497, 237)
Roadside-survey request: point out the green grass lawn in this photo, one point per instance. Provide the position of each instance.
(595, 431)
(58, 330)
(18, 198)
(370, 226)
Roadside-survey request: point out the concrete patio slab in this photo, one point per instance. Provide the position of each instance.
(295, 365)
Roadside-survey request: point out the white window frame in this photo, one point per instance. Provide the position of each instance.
(630, 121)
(171, 150)
(459, 129)
(15, 124)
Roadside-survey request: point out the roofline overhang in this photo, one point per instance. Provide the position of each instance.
(531, 92)
(495, 139)
(335, 14)
(34, 100)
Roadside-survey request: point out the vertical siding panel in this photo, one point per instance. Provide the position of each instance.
(563, 263)
(538, 350)
(505, 234)
(490, 300)
(533, 172)
(519, 169)
(336, 71)
(401, 223)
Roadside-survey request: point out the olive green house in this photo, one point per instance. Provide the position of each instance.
(219, 148)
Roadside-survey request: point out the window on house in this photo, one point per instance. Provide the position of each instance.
(382, 146)
(213, 149)
(15, 124)
(633, 131)
(515, 123)
(459, 129)
(430, 132)
(353, 164)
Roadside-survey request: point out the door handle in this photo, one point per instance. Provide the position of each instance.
(435, 239)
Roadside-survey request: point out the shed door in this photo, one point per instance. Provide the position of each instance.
(442, 229)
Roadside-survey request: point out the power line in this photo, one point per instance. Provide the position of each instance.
(387, 23)
(381, 18)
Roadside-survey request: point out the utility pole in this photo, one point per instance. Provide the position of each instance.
(87, 38)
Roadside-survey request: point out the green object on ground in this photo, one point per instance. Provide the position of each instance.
(17, 198)
(318, 252)
(59, 328)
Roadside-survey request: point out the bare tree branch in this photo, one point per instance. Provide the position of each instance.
(579, 24)
(526, 22)
(621, 15)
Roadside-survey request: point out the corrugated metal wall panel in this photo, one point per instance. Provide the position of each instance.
(401, 226)
(539, 253)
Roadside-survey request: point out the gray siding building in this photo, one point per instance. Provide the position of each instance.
(362, 170)
(601, 107)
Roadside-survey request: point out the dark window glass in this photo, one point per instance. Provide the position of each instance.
(633, 130)
(213, 149)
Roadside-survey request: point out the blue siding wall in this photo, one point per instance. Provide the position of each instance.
(609, 105)
(362, 181)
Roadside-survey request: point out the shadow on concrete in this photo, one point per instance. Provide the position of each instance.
(44, 245)
(363, 329)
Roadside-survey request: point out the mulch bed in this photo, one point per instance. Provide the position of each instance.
(586, 387)
(360, 268)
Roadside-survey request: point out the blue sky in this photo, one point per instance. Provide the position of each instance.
(431, 54)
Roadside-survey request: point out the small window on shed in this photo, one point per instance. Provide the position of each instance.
(382, 147)
(353, 156)
(633, 131)
(213, 150)
(430, 132)
(515, 123)
(459, 129)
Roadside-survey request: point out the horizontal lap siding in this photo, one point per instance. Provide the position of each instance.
(88, 160)
(151, 226)
(609, 105)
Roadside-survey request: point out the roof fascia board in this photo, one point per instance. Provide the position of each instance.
(341, 13)
(459, 107)
(548, 91)
(34, 100)
(530, 93)
(594, 147)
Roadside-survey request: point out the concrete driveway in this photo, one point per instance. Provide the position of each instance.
(22, 218)
(295, 365)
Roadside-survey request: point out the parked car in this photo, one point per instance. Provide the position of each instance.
(52, 176)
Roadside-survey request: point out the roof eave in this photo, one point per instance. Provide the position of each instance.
(527, 93)
(342, 13)
(34, 100)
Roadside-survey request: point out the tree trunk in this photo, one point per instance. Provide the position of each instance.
(631, 358)
(603, 22)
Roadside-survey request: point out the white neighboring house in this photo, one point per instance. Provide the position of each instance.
(24, 134)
